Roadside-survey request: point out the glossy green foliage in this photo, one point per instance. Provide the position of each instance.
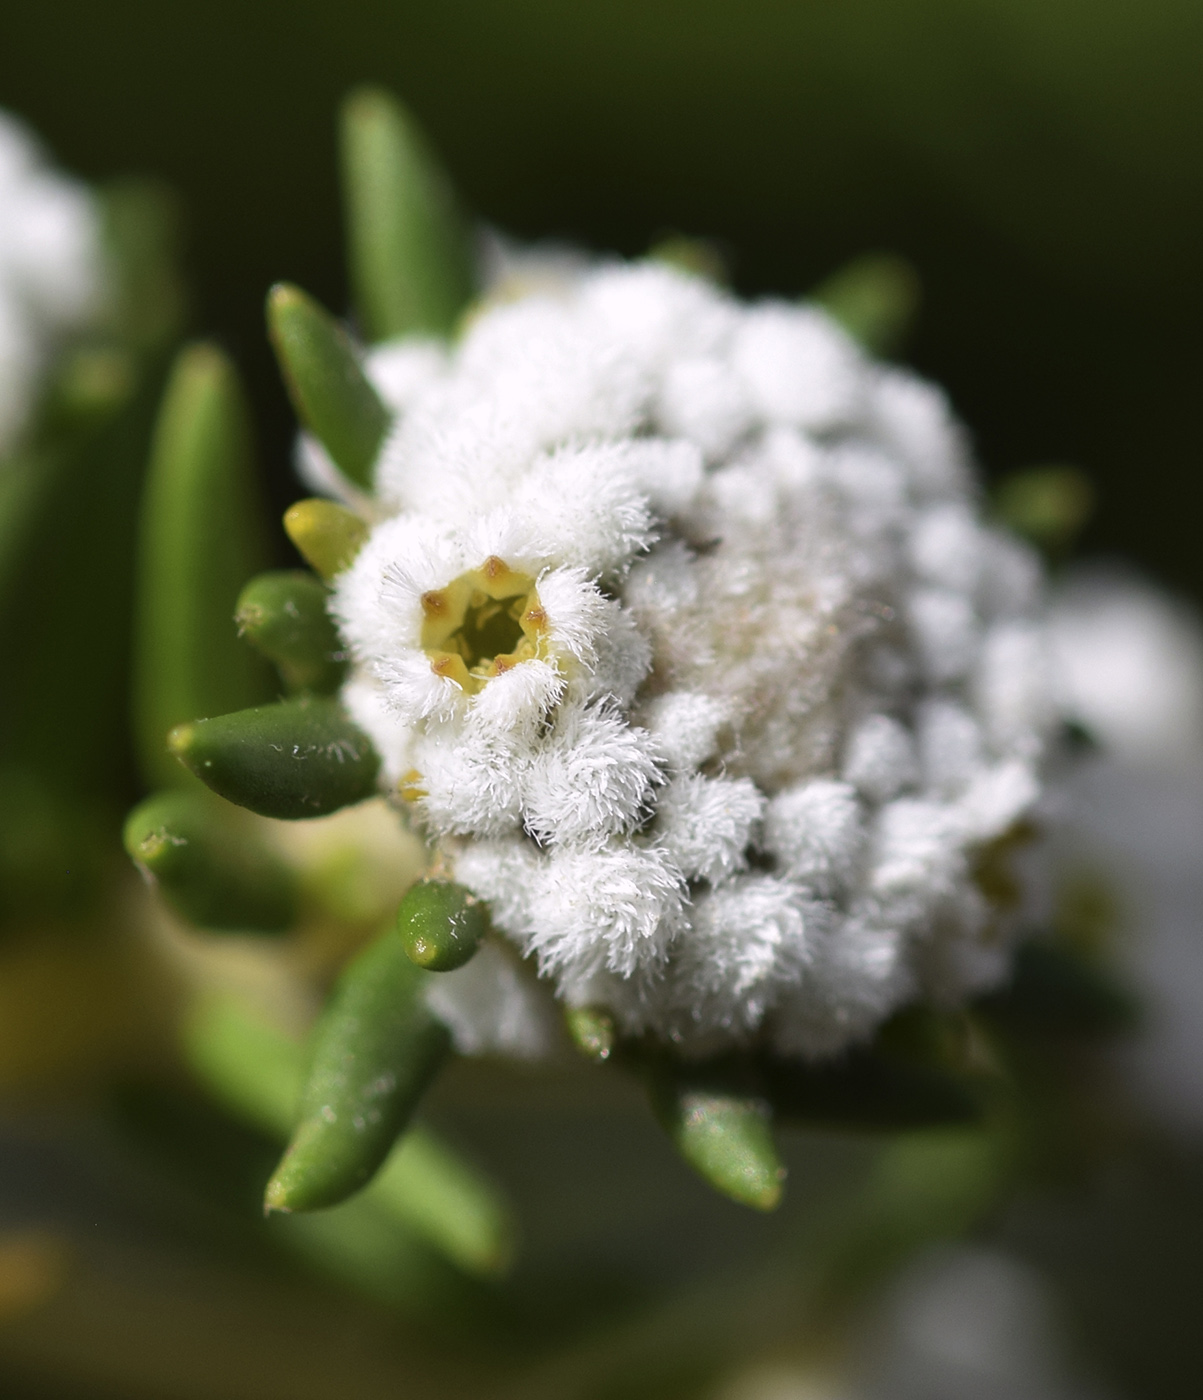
(201, 537)
(723, 1132)
(326, 382)
(424, 1193)
(283, 616)
(875, 299)
(296, 758)
(410, 254)
(208, 865)
(441, 924)
(327, 536)
(373, 1053)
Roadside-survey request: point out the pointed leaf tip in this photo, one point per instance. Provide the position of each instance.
(727, 1138)
(373, 1053)
(283, 616)
(295, 759)
(209, 865)
(326, 382)
(410, 251)
(327, 536)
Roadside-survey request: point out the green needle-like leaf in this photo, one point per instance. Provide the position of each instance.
(875, 299)
(298, 758)
(283, 616)
(213, 872)
(424, 1185)
(374, 1051)
(434, 1191)
(201, 537)
(326, 382)
(293, 759)
(327, 536)
(411, 257)
(726, 1136)
(441, 924)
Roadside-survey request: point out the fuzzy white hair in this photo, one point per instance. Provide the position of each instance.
(781, 683)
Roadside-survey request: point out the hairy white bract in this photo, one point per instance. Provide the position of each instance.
(681, 631)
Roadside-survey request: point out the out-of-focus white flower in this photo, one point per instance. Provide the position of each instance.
(682, 634)
(50, 275)
(1130, 669)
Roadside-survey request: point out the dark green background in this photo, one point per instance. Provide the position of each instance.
(1039, 160)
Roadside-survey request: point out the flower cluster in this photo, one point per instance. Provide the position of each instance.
(680, 632)
(49, 268)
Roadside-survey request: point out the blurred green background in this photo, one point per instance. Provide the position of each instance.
(1041, 163)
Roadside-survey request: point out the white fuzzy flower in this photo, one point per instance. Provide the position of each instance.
(49, 268)
(681, 632)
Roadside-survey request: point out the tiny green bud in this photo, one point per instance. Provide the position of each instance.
(727, 1138)
(374, 1050)
(213, 873)
(283, 615)
(875, 299)
(327, 385)
(297, 758)
(411, 258)
(327, 536)
(591, 1029)
(441, 924)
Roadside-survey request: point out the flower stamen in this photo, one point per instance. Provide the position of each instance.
(482, 624)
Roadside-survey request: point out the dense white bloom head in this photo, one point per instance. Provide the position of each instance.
(682, 634)
(49, 268)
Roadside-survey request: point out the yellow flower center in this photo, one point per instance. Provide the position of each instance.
(482, 624)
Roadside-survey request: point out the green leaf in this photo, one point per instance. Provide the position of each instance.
(201, 536)
(328, 537)
(723, 1133)
(875, 298)
(411, 257)
(297, 758)
(424, 1187)
(433, 1190)
(208, 865)
(441, 924)
(592, 1030)
(374, 1051)
(283, 616)
(326, 382)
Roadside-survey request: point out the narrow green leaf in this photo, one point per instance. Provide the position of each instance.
(441, 924)
(374, 1051)
(875, 298)
(208, 865)
(283, 615)
(297, 758)
(327, 385)
(201, 536)
(725, 1136)
(432, 1189)
(327, 536)
(411, 257)
(424, 1187)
